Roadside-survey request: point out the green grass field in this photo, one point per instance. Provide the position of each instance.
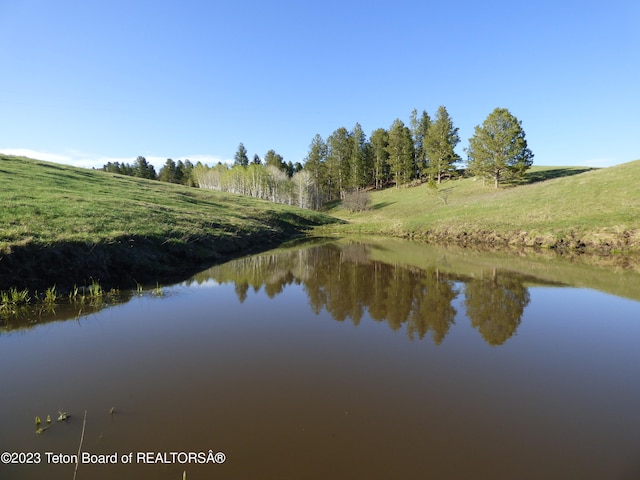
(552, 207)
(70, 212)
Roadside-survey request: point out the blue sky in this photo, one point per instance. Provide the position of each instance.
(85, 82)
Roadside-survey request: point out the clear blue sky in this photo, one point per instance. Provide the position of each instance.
(84, 82)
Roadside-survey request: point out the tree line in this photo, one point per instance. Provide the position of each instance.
(347, 161)
(272, 179)
(181, 172)
(423, 151)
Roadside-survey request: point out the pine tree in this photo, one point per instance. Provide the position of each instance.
(240, 158)
(498, 148)
(379, 144)
(168, 172)
(338, 162)
(316, 166)
(144, 169)
(358, 161)
(419, 130)
(440, 142)
(274, 159)
(401, 152)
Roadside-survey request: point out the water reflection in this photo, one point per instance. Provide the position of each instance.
(29, 316)
(348, 283)
(278, 388)
(495, 305)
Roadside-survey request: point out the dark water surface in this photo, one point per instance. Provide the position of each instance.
(345, 361)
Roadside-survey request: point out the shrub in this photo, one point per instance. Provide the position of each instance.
(357, 201)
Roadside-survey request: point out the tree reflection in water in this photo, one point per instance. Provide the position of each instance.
(347, 283)
(495, 304)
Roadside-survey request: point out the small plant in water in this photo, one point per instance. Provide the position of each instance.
(39, 427)
(158, 290)
(95, 290)
(50, 295)
(12, 299)
(16, 297)
(73, 294)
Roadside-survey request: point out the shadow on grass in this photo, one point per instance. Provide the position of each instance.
(541, 176)
(381, 205)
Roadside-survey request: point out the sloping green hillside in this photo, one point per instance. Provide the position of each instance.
(62, 223)
(595, 209)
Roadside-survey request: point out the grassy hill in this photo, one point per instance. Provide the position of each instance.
(556, 207)
(66, 225)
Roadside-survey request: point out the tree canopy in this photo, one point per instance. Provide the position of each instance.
(241, 158)
(440, 141)
(498, 148)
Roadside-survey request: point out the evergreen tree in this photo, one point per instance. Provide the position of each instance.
(144, 169)
(275, 160)
(359, 175)
(440, 142)
(338, 160)
(401, 152)
(186, 176)
(379, 144)
(419, 130)
(241, 158)
(168, 172)
(315, 164)
(112, 167)
(498, 148)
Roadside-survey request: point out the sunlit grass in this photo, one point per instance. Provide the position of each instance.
(47, 203)
(596, 204)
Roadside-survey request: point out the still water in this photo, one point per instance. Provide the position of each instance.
(341, 360)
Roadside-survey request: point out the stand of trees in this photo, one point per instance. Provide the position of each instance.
(347, 162)
(172, 171)
(274, 180)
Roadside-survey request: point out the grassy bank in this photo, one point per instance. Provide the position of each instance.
(554, 207)
(64, 225)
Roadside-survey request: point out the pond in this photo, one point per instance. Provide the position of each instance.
(338, 359)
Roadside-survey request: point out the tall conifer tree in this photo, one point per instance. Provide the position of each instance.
(440, 143)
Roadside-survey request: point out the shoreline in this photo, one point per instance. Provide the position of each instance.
(133, 261)
(127, 262)
(592, 243)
